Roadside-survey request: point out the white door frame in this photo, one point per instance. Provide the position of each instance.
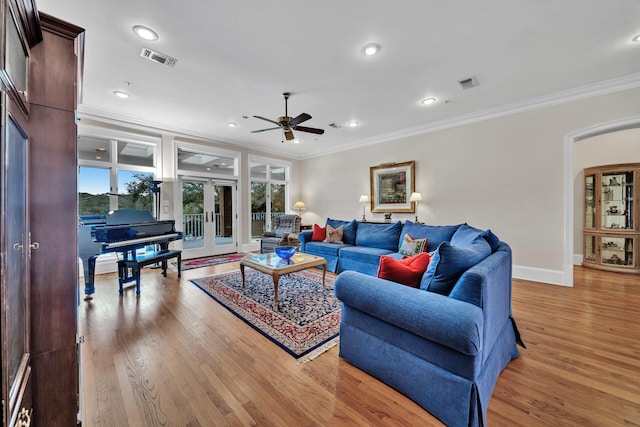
(209, 246)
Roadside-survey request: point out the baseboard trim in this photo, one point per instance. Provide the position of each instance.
(553, 277)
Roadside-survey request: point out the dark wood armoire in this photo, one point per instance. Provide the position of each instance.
(40, 76)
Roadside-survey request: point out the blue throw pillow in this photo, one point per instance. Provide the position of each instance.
(349, 233)
(466, 234)
(381, 236)
(450, 262)
(435, 233)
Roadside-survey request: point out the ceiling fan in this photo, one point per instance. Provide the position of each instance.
(288, 124)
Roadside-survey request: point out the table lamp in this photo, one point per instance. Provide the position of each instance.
(299, 206)
(415, 198)
(364, 199)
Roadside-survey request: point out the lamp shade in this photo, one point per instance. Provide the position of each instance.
(364, 198)
(299, 205)
(415, 197)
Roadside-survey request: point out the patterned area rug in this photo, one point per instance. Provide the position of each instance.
(307, 321)
(206, 261)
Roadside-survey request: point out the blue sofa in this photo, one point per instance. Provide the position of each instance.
(444, 344)
(365, 242)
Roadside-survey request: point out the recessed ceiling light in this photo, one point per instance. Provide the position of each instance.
(145, 33)
(232, 124)
(101, 149)
(428, 101)
(296, 141)
(636, 38)
(98, 157)
(371, 49)
(121, 94)
(353, 124)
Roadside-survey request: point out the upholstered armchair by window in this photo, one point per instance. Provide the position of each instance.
(283, 226)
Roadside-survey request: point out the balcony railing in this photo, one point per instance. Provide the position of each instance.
(193, 225)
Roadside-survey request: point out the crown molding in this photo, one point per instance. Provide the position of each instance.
(627, 82)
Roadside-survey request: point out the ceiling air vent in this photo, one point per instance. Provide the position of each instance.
(158, 57)
(468, 83)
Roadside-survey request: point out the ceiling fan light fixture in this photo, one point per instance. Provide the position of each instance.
(428, 101)
(371, 49)
(145, 33)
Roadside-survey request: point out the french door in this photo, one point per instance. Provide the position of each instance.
(208, 217)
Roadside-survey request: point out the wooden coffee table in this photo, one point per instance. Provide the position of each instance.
(275, 266)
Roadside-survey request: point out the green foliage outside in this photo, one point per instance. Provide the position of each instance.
(137, 197)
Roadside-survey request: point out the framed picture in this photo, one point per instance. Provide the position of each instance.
(391, 187)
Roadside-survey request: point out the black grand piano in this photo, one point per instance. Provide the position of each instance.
(122, 231)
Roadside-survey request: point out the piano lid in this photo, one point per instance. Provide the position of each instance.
(128, 216)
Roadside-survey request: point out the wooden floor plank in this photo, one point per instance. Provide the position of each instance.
(174, 356)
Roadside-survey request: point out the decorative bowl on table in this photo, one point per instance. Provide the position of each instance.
(286, 252)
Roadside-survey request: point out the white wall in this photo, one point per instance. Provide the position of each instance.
(608, 149)
(507, 174)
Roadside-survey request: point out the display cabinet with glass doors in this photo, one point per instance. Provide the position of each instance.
(611, 232)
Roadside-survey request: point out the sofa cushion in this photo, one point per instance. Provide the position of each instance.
(435, 233)
(319, 233)
(324, 249)
(349, 234)
(449, 262)
(411, 246)
(334, 235)
(407, 271)
(363, 254)
(382, 236)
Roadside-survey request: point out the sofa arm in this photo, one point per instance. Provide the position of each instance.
(452, 323)
(303, 238)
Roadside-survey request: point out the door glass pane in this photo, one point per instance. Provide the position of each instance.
(617, 251)
(93, 190)
(258, 209)
(130, 153)
(133, 190)
(617, 195)
(589, 248)
(16, 279)
(16, 62)
(590, 207)
(94, 149)
(277, 200)
(223, 214)
(193, 214)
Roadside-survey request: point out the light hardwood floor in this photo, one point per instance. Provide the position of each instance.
(174, 357)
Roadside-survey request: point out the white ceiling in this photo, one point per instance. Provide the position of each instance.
(236, 58)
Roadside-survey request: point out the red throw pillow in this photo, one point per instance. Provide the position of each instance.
(407, 271)
(319, 233)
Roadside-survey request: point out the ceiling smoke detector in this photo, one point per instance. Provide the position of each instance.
(468, 83)
(158, 57)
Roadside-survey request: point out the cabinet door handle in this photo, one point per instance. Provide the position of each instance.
(32, 245)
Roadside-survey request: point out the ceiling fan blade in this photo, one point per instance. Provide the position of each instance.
(310, 130)
(299, 119)
(288, 134)
(268, 120)
(262, 130)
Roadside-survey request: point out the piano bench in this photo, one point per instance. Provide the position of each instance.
(135, 265)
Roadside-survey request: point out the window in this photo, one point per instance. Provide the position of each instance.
(269, 194)
(115, 174)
